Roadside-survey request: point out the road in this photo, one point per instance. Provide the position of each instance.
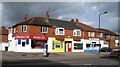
(68, 59)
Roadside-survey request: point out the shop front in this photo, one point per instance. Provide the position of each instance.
(26, 43)
(57, 45)
(92, 45)
(68, 44)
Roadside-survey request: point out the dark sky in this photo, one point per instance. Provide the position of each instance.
(86, 12)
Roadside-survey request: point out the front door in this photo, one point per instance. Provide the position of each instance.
(69, 45)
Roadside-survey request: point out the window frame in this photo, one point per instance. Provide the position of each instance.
(90, 33)
(41, 29)
(57, 32)
(75, 31)
(23, 26)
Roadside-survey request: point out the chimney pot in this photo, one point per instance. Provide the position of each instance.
(47, 16)
(26, 17)
(72, 20)
(77, 20)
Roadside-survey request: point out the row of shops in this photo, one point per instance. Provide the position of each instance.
(36, 44)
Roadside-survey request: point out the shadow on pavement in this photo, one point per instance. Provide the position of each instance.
(33, 63)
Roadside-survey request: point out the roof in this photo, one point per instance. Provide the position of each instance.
(87, 27)
(40, 21)
(64, 24)
(108, 32)
(3, 31)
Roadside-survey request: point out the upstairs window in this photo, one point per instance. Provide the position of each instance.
(100, 34)
(76, 33)
(44, 29)
(24, 28)
(59, 31)
(91, 34)
(14, 30)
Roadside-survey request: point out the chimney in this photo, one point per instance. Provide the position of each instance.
(72, 20)
(26, 17)
(77, 21)
(47, 16)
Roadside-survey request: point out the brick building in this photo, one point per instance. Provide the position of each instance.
(111, 38)
(3, 38)
(31, 34)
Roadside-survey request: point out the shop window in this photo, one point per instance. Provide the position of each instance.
(19, 41)
(88, 45)
(59, 31)
(76, 33)
(44, 29)
(78, 46)
(91, 34)
(99, 45)
(23, 44)
(57, 45)
(39, 44)
(24, 28)
(27, 41)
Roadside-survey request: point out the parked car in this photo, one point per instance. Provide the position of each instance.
(106, 49)
(115, 53)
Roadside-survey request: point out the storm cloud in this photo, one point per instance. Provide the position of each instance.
(86, 12)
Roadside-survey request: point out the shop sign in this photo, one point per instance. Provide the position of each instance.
(23, 37)
(39, 37)
(93, 39)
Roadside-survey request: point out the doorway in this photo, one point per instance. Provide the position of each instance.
(68, 46)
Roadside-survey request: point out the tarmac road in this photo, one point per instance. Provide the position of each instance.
(67, 59)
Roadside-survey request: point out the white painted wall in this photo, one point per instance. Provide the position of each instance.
(3, 45)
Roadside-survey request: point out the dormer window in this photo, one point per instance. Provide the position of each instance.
(59, 31)
(44, 29)
(91, 34)
(24, 28)
(76, 32)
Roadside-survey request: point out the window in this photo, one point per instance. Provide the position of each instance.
(14, 30)
(88, 45)
(38, 44)
(91, 34)
(78, 46)
(110, 37)
(105, 37)
(44, 29)
(24, 28)
(99, 34)
(59, 31)
(19, 41)
(27, 41)
(10, 30)
(76, 33)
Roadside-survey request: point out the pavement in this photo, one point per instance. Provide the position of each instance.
(60, 56)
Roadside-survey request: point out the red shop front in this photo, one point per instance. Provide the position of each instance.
(37, 42)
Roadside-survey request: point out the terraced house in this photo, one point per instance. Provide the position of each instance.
(111, 38)
(31, 34)
(3, 38)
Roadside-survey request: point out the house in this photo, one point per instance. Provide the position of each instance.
(3, 39)
(91, 38)
(111, 38)
(31, 34)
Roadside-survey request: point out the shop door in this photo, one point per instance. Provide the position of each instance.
(69, 45)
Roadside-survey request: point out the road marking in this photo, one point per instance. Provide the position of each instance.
(87, 64)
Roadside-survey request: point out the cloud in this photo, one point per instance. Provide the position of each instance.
(13, 12)
(94, 8)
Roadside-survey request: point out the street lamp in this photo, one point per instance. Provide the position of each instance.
(99, 28)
